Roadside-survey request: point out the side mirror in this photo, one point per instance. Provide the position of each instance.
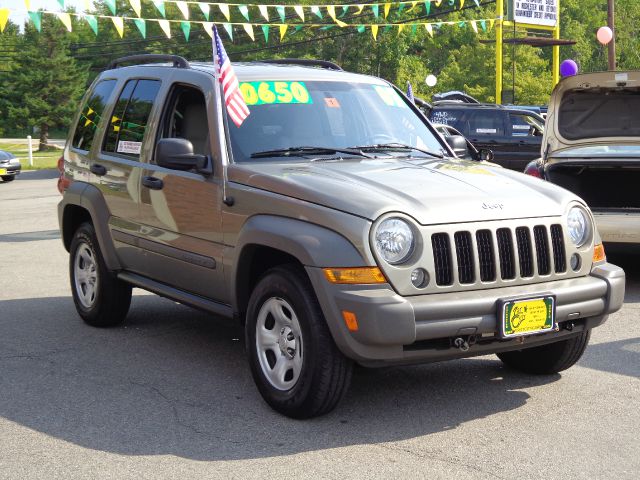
(459, 145)
(485, 155)
(177, 154)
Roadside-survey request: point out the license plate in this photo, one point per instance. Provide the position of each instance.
(527, 316)
(3, 171)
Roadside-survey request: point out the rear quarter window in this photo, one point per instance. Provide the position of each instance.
(91, 115)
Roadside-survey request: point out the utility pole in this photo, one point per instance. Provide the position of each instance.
(612, 43)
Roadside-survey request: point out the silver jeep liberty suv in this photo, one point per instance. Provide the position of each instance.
(335, 224)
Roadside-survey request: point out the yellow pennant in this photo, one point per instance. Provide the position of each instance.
(374, 31)
(400, 28)
(264, 12)
(166, 27)
(387, 7)
(360, 8)
(429, 29)
(27, 3)
(65, 18)
(90, 111)
(87, 122)
(413, 5)
(87, 5)
(118, 22)
(461, 4)
(474, 26)
(135, 4)
(491, 22)
(438, 2)
(184, 9)
(300, 11)
(331, 10)
(4, 18)
(249, 29)
(224, 8)
(208, 27)
(283, 31)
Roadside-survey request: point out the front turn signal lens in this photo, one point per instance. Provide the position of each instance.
(355, 275)
(598, 253)
(350, 320)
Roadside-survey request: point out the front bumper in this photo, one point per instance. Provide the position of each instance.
(395, 329)
(7, 170)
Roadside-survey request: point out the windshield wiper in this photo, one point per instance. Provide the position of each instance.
(397, 146)
(299, 151)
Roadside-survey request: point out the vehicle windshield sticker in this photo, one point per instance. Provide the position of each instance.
(268, 93)
(389, 96)
(443, 117)
(129, 147)
(521, 127)
(332, 102)
(486, 130)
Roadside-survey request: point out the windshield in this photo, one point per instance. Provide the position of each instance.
(331, 115)
(604, 151)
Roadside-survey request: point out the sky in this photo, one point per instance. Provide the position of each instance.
(19, 10)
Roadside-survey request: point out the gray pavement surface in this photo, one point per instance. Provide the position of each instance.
(170, 395)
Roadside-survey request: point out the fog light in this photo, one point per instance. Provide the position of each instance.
(575, 262)
(419, 278)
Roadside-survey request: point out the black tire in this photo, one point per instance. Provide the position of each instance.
(8, 178)
(550, 358)
(324, 374)
(100, 298)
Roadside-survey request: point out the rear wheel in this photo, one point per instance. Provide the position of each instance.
(100, 298)
(548, 359)
(294, 361)
(8, 178)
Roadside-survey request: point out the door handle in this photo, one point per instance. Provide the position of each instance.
(98, 169)
(153, 183)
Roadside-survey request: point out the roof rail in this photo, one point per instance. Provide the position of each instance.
(304, 61)
(179, 62)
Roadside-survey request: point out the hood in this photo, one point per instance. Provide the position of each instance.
(593, 109)
(431, 191)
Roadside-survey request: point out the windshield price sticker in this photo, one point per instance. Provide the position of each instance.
(268, 93)
(129, 147)
(389, 96)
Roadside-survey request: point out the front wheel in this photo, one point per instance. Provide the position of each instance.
(548, 359)
(294, 361)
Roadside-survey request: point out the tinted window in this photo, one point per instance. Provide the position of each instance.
(524, 125)
(130, 115)
(91, 115)
(486, 123)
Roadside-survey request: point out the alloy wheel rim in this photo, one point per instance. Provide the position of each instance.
(85, 275)
(279, 343)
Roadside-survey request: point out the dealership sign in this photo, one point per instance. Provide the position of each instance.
(535, 12)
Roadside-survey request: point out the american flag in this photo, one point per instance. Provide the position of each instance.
(410, 92)
(236, 107)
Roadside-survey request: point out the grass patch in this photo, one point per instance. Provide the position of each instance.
(41, 160)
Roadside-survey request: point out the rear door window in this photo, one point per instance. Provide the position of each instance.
(524, 125)
(128, 122)
(91, 115)
(486, 122)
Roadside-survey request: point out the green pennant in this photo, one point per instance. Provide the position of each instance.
(316, 11)
(414, 29)
(265, 32)
(387, 28)
(361, 29)
(345, 9)
(244, 10)
(462, 24)
(160, 6)
(205, 10)
(36, 18)
(93, 23)
(61, 2)
(298, 28)
(400, 8)
(186, 29)
(142, 26)
(229, 30)
(427, 7)
(376, 10)
(111, 4)
(483, 24)
(327, 27)
(281, 12)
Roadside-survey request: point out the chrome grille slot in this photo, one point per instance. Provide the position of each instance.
(486, 256)
(523, 238)
(559, 255)
(505, 252)
(542, 249)
(464, 255)
(442, 258)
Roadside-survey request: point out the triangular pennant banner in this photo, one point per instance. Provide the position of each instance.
(281, 11)
(166, 27)
(135, 4)
(474, 26)
(345, 9)
(427, 7)
(249, 29)
(27, 3)
(229, 29)
(244, 10)
(208, 27)
(65, 18)
(400, 28)
(206, 10)
(359, 9)
(141, 23)
(438, 2)
(118, 22)
(331, 10)
(283, 31)
(477, 2)
(387, 7)
(160, 7)
(374, 31)
(376, 12)
(87, 5)
(483, 24)
(298, 28)
(184, 9)
(265, 32)
(93, 23)
(4, 18)
(112, 5)
(429, 29)
(224, 8)
(36, 19)
(300, 11)
(491, 23)
(361, 28)
(461, 4)
(316, 11)
(400, 8)
(413, 5)
(264, 11)
(186, 29)
(61, 2)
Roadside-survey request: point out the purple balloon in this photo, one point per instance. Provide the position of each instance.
(568, 68)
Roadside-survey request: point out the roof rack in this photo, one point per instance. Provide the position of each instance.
(304, 61)
(178, 61)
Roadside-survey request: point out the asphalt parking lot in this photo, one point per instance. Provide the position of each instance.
(169, 394)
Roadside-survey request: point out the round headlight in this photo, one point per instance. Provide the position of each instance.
(578, 225)
(394, 240)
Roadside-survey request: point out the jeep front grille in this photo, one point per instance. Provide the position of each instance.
(522, 252)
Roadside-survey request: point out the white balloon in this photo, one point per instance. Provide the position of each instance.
(431, 80)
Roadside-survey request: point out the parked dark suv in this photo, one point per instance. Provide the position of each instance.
(513, 135)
